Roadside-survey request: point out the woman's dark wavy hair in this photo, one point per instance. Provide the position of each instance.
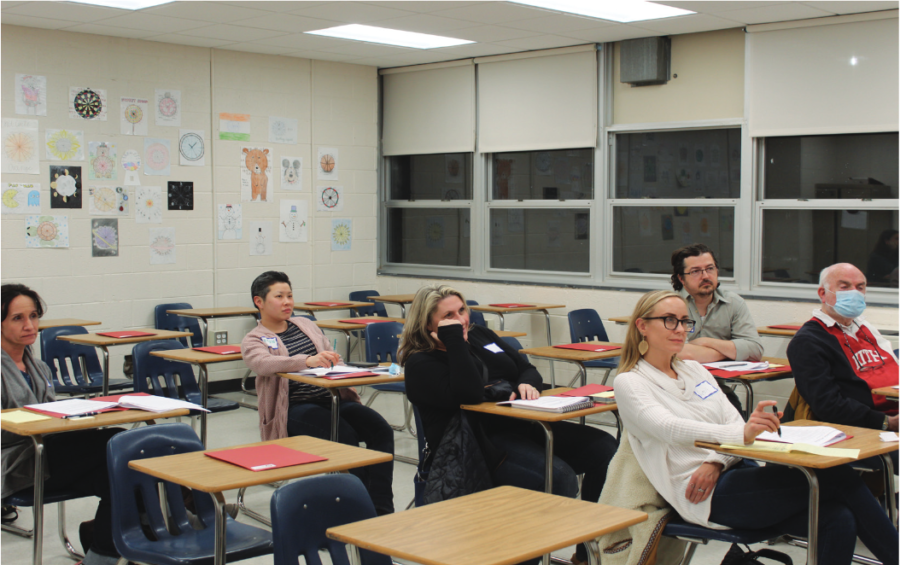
(11, 291)
(678, 257)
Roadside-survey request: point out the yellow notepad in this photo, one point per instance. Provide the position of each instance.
(607, 394)
(22, 416)
(802, 447)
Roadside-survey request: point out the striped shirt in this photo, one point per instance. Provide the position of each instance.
(298, 343)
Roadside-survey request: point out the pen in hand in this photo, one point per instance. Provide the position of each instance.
(775, 411)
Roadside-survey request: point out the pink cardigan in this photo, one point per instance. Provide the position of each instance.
(272, 391)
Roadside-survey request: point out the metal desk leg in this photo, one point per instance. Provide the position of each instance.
(103, 349)
(748, 395)
(353, 554)
(335, 412)
(889, 487)
(402, 310)
(502, 320)
(812, 551)
(548, 468)
(38, 536)
(204, 331)
(593, 552)
(582, 372)
(347, 335)
(550, 342)
(221, 518)
(248, 512)
(204, 398)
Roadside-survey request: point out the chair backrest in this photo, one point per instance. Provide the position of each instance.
(382, 341)
(175, 323)
(304, 510)
(514, 343)
(377, 309)
(155, 375)
(586, 325)
(55, 352)
(476, 318)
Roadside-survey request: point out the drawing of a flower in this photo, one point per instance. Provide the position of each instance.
(19, 146)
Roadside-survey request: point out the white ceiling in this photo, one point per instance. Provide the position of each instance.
(276, 27)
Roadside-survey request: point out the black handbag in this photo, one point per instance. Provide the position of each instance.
(737, 556)
(498, 390)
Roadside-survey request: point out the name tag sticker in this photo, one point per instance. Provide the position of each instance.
(704, 390)
(270, 341)
(493, 347)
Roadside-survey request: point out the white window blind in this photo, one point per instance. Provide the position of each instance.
(431, 110)
(532, 102)
(814, 78)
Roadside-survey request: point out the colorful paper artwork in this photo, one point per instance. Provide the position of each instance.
(291, 173)
(330, 198)
(46, 231)
(104, 237)
(64, 145)
(181, 195)
(87, 103)
(668, 230)
(162, 246)
(191, 149)
(704, 225)
(168, 107)
(31, 95)
(156, 157)
(644, 223)
(256, 174)
(131, 162)
(454, 170)
(20, 147)
(148, 205)
(65, 187)
(434, 232)
(234, 127)
(21, 198)
(260, 238)
(108, 201)
(341, 234)
(133, 116)
(101, 160)
(294, 215)
(230, 220)
(282, 130)
(327, 168)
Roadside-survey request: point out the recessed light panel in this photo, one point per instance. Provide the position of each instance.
(385, 36)
(124, 4)
(612, 10)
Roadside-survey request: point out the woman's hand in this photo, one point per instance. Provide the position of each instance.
(448, 323)
(702, 482)
(761, 421)
(526, 392)
(323, 359)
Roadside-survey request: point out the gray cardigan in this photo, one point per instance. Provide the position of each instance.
(18, 451)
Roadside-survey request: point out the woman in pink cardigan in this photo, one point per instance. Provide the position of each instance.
(283, 344)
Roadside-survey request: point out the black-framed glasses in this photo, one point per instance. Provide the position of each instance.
(697, 272)
(671, 323)
(875, 351)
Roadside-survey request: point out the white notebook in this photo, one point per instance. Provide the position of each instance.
(811, 435)
(557, 404)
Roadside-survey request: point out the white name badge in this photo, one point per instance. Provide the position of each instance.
(704, 390)
(493, 347)
(271, 342)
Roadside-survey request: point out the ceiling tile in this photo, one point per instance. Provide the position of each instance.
(777, 13)
(558, 23)
(274, 6)
(233, 33)
(151, 22)
(363, 49)
(258, 48)
(425, 23)
(322, 56)
(64, 11)
(302, 42)
(473, 50)
(289, 23)
(423, 6)
(114, 31)
(695, 23)
(29, 21)
(715, 6)
(541, 42)
(189, 40)
(616, 32)
(491, 34)
(492, 13)
(216, 12)
(8, 4)
(853, 7)
(351, 12)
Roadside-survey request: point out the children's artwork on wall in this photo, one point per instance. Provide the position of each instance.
(330, 198)
(46, 231)
(131, 162)
(582, 226)
(104, 237)
(515, 220)
(704, 225)
(168, 107)
(181, 195)
(646, 226)
(341, 234)
(65, 187)
(133, 115)
(21, 198)
(282, 130)
(260, 238)
(434, 232)
(497, 230)
(162, 246)
(294, 214)
(31, 95)
(87, 103)
(256, 174)
(148, 205)
(327, 164)
(668, 230)
(291, 177)
(554, 233)
(20, 147)
(454, 169)
(234, 127)
(108, 201)
(101, 160)
(686, 237)
(156, 157)
(230, 221)
(64, 145)
(191, 149)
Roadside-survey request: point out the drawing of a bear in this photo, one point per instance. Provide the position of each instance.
(257, 162)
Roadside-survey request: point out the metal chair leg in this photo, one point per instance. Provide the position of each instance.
(61, 530)
(689, 553)
(251, 513)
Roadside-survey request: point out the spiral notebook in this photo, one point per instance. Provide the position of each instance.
(558, 404)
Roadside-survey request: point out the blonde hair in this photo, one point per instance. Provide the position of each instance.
(416, 337)
(646, 304)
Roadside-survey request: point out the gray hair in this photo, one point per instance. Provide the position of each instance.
(823, 276)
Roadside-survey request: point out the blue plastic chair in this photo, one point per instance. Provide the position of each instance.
(382, 342)
(377, 309)
(586, 325)
(175, 323)
(476, 318)
(304, 510)
(25, 499)
(135, 495)
(83, 358)
(514, 343)
(695, 535)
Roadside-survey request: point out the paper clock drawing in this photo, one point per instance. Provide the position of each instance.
(291, 171)
(104, 237)
(131, 162)
(234, 127)
(148, 205)
(46, 231)
(87, 103)
(156, 157)
(20, 147)
(64, 145)
(294, 215)
(162, 246)
(330, 198)
(327, 166)
(191, 150)
(21, 198)
(101, 160)
(108, 201)
(341, 235)
(31, 95)
(256, 174)
(260, 238)
(133, 115)
(181, 195)
(168, 107)
(230, 220)
(65, 187)
(282, 130)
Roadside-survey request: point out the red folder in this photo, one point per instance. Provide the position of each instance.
(265, 457)
(327, 303)
(220, 349)
(588, 347)
(587, 390)
(511, 305)
(784, 327)
(362, 320)
(723, 374)
(125, 334)
(353, 375)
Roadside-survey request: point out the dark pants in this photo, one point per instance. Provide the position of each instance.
(77, 461)
(762, 497)
(358, 424)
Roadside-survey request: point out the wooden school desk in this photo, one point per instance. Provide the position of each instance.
(507, 333)
(45, 324)
(37, 430)
(783, 332)
(620, 320)
(469, 530)
(204, 314)
(345, 305)
(576, 356)
(197, 471)
(888, 391)
(103, 343)
(348, 329)
(201, 359)
(749, 379)
(867, 441)
(400, 300)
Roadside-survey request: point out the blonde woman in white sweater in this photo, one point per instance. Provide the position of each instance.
(667, 403)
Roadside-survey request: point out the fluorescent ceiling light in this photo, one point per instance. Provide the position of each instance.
(387, 36)
(124, 4)
(613, 10)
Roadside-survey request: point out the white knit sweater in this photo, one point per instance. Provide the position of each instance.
(664, 417)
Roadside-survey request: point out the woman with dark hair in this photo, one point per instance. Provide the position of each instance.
(27, 380)
(883, 261)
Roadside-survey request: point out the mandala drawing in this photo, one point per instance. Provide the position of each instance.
(65, 187)
(148, 205)
(168, 107)
(20, 152)
(88, 104)
(46, 231)
(103, 199)
(103, 160)
(181, 195)
(131, 162)
(191, 148)
(133, 116)
(162, 246)
(156, 157)
(65, 145)
(19, 147)
(341, 235)
(330, 199)
(104, 238)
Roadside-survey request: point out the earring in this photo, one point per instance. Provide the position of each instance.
(643, 346)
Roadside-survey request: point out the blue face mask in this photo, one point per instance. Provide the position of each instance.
(850, 303)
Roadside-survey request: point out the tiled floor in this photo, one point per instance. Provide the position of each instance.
(238, 427)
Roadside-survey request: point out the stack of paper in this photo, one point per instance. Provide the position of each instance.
(738, 365)
(557, 404)
(821, 436)
(157, 404)
(339, 370)
(71, 407)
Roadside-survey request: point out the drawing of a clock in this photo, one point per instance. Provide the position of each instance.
(168, 107)
(105, 199)
(191, 146)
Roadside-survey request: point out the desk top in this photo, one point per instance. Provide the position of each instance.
(102, 340)
(226, 312)
(538, 415)
(394, 298)
(766, 330)
(336, 325)
(530, 308)
(44, 324)
(888, 391)
(345, 305)
(196, 357)
(620, 319)
(865, 440)
(198, 471)
(468, 533)
(343, 383)
(507, 333)
(775, 375)
(550, 352)
(56, 425)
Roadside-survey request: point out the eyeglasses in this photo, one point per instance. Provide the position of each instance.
(875, 351)
(697, 272)
(671, 323)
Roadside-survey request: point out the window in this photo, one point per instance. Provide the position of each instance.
(445, 176)
(544, 175)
